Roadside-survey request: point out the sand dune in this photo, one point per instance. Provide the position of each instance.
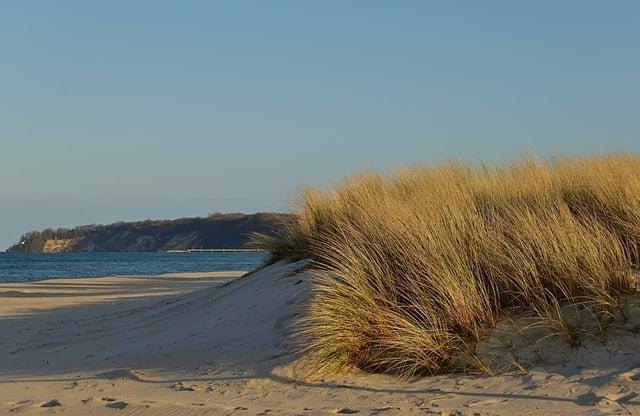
(217, 344)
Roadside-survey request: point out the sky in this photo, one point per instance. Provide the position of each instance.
(120, 110)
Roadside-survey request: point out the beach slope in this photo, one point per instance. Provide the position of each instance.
(220, 344)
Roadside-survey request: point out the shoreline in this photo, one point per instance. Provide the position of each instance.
(48, 294)
(211, 275)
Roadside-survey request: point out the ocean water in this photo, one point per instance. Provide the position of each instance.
(24, 267)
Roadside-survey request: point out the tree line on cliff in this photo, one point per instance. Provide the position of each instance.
(213, 231)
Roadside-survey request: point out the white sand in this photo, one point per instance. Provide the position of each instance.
(193, 345)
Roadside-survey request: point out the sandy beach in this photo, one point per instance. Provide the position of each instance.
(225, 208)
(219, 344)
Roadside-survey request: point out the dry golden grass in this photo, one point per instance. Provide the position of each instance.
(414, 269)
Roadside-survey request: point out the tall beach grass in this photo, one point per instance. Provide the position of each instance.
(412, 270)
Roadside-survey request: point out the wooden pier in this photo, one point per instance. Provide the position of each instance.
(216, 250)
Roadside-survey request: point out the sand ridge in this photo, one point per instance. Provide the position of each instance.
(192, 345)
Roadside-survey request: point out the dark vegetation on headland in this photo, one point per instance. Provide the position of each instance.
(214, 231)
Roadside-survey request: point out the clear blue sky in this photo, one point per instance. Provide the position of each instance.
(120, 110)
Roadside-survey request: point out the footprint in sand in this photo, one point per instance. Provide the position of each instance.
(179, 386)
(20, 406)
(52, 403)
(117, 405)
(487, 402)
(347, 411)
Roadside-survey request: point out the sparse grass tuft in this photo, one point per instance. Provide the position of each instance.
(412, 270)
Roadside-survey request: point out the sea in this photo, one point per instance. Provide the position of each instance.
(25, 267)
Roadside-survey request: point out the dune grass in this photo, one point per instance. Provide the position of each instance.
(412, 270)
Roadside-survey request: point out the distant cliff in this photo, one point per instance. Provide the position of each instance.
(214, 231)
